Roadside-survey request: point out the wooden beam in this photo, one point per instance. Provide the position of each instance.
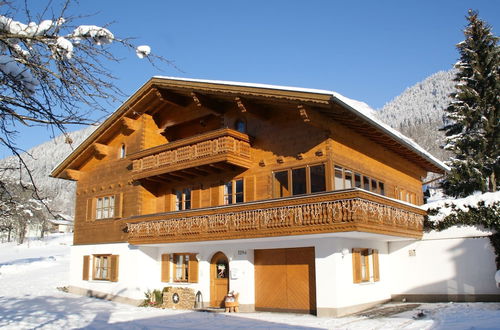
(73, 174)
(240, 104)
(172, 98)
(207, 103)
(133, 109)
(245, 105)
(156, 179)
(195, 172)
(202, 170)
(313, 117)
(177, 176)
(129, 125)
(100, 150)
(303, 113)
(220, 166)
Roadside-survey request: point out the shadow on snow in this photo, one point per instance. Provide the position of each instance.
(87, 313)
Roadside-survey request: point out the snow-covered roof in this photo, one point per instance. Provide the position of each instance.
(358, 107)
(61, 222)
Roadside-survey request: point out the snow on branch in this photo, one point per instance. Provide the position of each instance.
(446, 209)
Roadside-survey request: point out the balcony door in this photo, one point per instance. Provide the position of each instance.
(219, 279)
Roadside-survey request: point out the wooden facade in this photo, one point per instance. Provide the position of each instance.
(185, 161)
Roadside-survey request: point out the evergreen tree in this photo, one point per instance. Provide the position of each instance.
(472, 129)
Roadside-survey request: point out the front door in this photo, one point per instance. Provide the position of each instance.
(219, 279)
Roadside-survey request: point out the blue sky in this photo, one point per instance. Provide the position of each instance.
(366, 50)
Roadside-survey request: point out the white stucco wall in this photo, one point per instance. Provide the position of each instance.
(334, 274)
(459, 260)
(136, 269)
(140, 268)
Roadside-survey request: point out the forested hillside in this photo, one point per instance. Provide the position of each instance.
(41, 160)
(418, 111)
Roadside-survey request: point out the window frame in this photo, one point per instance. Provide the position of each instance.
(97, 270)
(357, 180)
(186, 198)
(122, 153)
(188, 267)
(365, 265)
(101, 209)
(276, 184)
(229, 198)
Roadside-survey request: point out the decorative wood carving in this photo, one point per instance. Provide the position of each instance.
(240, 104)
(172, 98)
(303, 113)
(331, 213)
(200, 148)
(205, 102)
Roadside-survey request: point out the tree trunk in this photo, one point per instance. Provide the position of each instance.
(22, 234)
(493, 182)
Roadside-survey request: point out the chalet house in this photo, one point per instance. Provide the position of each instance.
(291, 197)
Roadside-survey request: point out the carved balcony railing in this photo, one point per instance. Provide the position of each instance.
(352, 210)
(224, 146)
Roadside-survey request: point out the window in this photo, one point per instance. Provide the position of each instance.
(105, 207)
(233, 192)
(241, 126)
(105, 267)
(365, 265)
(318, 182)
(185, 267)
(345, 179)
(183, 199)
(301, 180)
(181, 264)
(299, 185)
(281, 188)
(123, 151)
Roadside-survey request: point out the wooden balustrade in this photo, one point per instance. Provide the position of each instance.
(223, 145)
(355, 210)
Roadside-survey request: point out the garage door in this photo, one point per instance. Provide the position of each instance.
(285, 280)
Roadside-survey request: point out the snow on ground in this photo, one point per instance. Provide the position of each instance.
(29, 299)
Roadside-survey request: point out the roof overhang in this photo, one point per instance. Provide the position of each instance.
(353, 114)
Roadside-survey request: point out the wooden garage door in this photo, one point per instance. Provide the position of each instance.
(285, 280)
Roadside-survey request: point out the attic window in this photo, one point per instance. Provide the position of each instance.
(123, 151)
(240, 125)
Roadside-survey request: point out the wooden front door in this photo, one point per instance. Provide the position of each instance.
(219, 279)
(285, 280)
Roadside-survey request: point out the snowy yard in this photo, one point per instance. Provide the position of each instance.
(31, 273)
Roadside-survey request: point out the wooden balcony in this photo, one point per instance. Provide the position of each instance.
(198, 155)
(351, 210)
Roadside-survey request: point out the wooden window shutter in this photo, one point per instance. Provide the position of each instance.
(118, 205)
(356, 266)
(165, 267)
(249, 189)
(376, 271)
(215, 195)
(193, 269)
(86, 265)
(90, 209)
(195, 197)
(114, 268)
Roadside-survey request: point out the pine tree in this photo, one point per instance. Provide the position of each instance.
(472, 129)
